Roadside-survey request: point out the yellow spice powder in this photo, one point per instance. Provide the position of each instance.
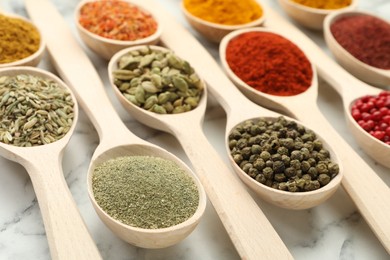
(226, 12)
(18, 39)
(324, 4)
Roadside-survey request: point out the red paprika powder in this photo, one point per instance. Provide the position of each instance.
(269, 63)
(365, 37)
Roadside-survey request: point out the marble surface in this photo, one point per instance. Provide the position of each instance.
(333, 230)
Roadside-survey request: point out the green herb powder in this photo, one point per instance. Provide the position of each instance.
(144, 191)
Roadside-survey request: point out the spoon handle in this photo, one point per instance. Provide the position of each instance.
(66, 231)
(369, 193)
(69, 59)
(249, 229)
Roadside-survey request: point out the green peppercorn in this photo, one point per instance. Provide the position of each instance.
(253, 157)
(232, 143)
(268, 173)
(253, 172)
(238, 158)
(323, 179)
(322, 168)
(282, 186)
(296, 164)
(259, 164)
(247, 167)
(290, 172)
(246, 152)
(265, 155)
(256, 149)
(312, 172)
(280, 177)
(278, 167)
(305, 165)
(260, 178)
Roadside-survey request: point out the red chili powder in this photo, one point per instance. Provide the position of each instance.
(269, 63)
(366, 37)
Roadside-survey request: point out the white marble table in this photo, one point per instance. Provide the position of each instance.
(333, 230)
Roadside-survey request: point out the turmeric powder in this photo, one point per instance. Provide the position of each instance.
(226, 12)
(18, 39)
(324, 4)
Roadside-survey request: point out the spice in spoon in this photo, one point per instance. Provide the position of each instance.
(33, 110)
(158, 81)
(372, 113)
(225, 12)
(281, 154)
(324, 4)
(144, 191)
(18, 39)
(269, 63)
(118, 20)
(365, 37)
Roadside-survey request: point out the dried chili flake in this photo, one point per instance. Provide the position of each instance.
(118, 20)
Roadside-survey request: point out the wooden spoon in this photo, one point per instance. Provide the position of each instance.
(177, 124)
(312, 18)
(366, 189)
(359, 69)
(66, 232)
(115, 139)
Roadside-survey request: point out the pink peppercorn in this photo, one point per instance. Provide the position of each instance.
(372, 113)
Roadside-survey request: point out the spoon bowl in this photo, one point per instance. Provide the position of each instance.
(361, 70)
(33, 59)
(115, 138)
(215, 32)
(106, 47)
(312, 18)
(43, 163)
(141, 237)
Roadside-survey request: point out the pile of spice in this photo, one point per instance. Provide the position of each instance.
(365, 37)
(158, 81)
(18, 39)
(372, 113)
(118, 20)
(225, 12)
(324, 4)
(144, 191)
(269, 63)
(33, 110)
(281, 154)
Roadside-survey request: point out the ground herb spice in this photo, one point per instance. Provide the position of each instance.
(281, 154)
(18, 39)
(144, 191)
(33, 110)
(226, 12)
(269, 63)
(365, 37)
(158, 81)
(372, 113)
(324, 4)
(118, 20)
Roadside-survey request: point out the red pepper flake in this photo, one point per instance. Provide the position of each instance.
(118, 20)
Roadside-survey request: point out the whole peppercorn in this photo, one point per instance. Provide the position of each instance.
(282, 154)
(372, 113)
